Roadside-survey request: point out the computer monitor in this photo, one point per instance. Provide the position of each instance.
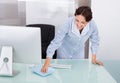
(25, 42)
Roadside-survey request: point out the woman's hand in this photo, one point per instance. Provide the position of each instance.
(46, 65)
(97, 62)
(44, 69)
(94, 61)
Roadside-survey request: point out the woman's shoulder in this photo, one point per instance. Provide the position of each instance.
(68, 22)
(71, 18)
(92, 23)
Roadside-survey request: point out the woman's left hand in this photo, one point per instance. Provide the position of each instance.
(95, 61)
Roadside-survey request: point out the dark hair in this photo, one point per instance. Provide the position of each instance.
(84, 11)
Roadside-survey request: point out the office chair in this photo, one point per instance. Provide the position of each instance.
(47, 34)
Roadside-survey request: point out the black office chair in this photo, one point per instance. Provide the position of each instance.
(47, 34)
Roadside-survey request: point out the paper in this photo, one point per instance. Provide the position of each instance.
(37, 70)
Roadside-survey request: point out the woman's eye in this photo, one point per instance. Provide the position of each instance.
(77, 20)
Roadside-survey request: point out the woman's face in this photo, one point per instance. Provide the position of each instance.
(80, 21)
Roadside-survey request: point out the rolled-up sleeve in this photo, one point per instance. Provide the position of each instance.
(94, 38)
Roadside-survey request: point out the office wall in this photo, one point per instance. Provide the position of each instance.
(107, 17)
(22, 12)
(8, 11)
(82, 2)
(12, 12)
(51, 11)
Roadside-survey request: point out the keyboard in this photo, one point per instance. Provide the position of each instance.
(63, 66)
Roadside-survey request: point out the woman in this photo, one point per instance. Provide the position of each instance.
(70, 39)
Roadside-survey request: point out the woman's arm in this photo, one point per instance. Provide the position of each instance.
(58, 39)
(46, 65)
(55, 43)
(94, 38)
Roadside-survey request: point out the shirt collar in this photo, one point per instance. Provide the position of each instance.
(75, 30)
(85, 30)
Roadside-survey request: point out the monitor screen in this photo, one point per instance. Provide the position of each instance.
(25, 41)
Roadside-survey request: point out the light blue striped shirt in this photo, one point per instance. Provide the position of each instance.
(69, 43)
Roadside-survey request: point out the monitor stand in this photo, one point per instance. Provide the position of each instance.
(6, 61)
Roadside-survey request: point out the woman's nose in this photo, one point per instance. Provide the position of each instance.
(80, 25)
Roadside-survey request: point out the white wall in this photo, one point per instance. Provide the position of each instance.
(107, 16)
(8, 12)
(53, 12)
(12, 12)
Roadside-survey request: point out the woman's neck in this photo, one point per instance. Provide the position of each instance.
(81, 30)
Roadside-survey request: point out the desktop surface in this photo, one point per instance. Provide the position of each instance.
(82, 71)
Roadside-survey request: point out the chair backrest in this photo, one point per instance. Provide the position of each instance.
(47, 34)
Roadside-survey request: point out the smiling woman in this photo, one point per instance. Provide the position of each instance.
(70, 43)
(82, 16)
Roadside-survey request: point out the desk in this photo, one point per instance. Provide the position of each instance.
(82, 71)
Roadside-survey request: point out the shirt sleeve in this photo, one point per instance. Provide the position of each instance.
(94, 38)
(57, 41)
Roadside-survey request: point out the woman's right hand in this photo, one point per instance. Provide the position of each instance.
(44, 69)
(46, 65)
